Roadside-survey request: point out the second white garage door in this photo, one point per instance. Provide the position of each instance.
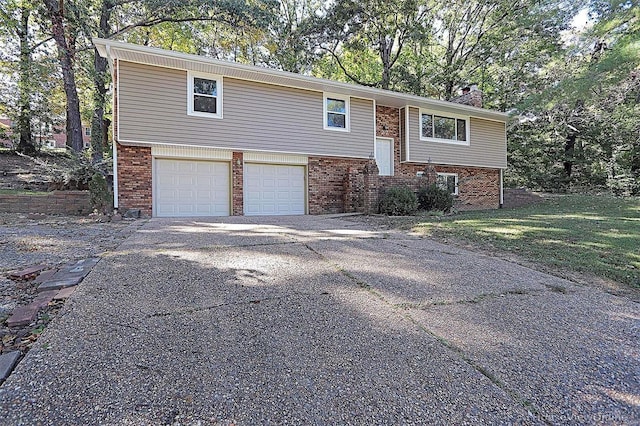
(191, 188)
(271, 189)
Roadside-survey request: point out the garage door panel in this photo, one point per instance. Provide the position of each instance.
(274, 189)
(191, 188)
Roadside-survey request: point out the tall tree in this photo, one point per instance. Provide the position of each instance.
(585, 118)
(65, 37)
(377, 26)
(290, 40)
(17, 23)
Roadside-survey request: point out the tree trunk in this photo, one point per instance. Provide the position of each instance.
(635, 166)
(98, 130)
(569, 147)
(25, 143)
(385, 57)
(65, 55)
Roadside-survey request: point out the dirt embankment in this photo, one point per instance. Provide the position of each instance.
(44, 172)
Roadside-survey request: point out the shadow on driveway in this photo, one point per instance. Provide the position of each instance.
(319, 320)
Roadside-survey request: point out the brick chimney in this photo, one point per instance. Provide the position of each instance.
(471, 95)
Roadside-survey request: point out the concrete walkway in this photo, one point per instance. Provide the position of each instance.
(316, 320)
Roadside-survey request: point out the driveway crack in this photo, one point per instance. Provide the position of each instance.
(196, 309)
(518, 399)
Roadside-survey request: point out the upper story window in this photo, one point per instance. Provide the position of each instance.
(204, 95)
(444, 128)
(87, 131)
(336, 112)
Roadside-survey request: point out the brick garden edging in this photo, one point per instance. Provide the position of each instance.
(56, 202)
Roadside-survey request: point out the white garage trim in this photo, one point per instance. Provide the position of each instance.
(196, 153)
(191, 188)
(274, 189)
(272, 158)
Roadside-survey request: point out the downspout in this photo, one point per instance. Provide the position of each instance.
(501, 190)
(116, 112)
(115, 175)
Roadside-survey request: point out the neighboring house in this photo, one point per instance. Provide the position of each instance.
(202, 137)
(46, 137)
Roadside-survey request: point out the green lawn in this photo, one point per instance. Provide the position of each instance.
(21, 192)
(599, 235)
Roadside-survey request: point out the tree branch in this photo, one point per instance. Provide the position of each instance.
(344, 70)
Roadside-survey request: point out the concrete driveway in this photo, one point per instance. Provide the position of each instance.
(317, 320)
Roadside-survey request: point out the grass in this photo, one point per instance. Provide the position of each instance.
(21, 192)
(598, 235)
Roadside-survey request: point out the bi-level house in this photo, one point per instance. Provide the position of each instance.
(195, 136)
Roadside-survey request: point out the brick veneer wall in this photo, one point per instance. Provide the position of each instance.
(134, 179)
(327, 178)
(478, 188)
(237, 173)
(388, 126)
(335, 185)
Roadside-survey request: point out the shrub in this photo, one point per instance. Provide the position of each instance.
(398, 201)
(99, 194)
(435, 198)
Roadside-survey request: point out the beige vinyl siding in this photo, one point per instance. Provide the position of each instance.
(256, 116)
(487, 145)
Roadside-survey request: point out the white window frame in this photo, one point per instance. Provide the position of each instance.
(219, 84)
(446, 115)
(447, 175)
(347, 118)
(87, 131)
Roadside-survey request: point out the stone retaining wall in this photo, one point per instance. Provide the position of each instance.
(56, 202)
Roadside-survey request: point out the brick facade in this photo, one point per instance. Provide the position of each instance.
(237, 184)
(134, 179)
(478, 188)
(327, 178)
(335, 185)
(388, 126)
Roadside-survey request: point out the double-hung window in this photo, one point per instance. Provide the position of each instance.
(204, 93)
(336, 112)
(444, 128)
(448, 181)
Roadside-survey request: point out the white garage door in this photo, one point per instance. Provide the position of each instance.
(191, 188)
(273, 189)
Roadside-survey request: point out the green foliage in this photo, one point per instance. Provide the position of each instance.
(578, 126)
(590, 234)
(435, 198)
(101, 197)
(398, 201)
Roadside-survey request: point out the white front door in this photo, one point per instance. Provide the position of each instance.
(271, 189)
(384, 156)
(191, 188)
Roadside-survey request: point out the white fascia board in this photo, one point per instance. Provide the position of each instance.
(267, 75)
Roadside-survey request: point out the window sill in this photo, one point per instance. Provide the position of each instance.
(204, 114)
(337, 129)
(447, 141)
